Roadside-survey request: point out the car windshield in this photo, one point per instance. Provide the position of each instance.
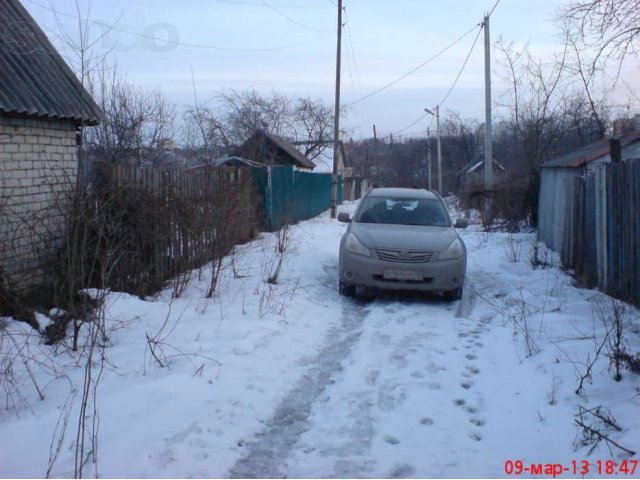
(403, 211)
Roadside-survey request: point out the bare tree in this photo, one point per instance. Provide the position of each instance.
(592, 84)
(137, 122)
(313, 123)
(236, 115)
(610, 27)
(244, 112)
(534, 100)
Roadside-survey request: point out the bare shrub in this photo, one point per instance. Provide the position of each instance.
(517, 312)
(282, 237)
(505, 206)
(514, 248)
(233, 218)
(539, 256)
(162, 352)
(165, 224)
(614, 315)
(15, 355)
(631, 362)
(594, 427)
(552, 395)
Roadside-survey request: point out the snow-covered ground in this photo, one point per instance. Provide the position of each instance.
(293, 380)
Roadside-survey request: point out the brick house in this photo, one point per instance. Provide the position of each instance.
(43, 107)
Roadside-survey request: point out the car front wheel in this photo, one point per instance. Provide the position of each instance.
(346, 289)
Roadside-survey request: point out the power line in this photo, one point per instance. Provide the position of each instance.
(295, 22)
(462, 69)
(178, 43)
(450, 89)
(494, 7)
(410, 134)
(356, 87)
(254, 4)
(421, 117)
(412, 71)
(457, 77)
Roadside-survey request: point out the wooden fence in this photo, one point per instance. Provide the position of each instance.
(602, 229)
(163, 223)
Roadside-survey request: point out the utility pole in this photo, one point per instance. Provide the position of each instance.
(336, 121)
(437, 115)
(375, 151)
(429, 158)
(488, 140)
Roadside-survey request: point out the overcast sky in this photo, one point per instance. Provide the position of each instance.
(289, 46)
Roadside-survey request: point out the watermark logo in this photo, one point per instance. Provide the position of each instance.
(137, 36)
(19, 37)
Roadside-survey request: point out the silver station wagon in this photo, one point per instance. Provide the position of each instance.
(402, 239)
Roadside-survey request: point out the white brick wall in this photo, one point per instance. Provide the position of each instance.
(38, 167)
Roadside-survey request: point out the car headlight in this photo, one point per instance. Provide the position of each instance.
(455, 250)
(353, 245)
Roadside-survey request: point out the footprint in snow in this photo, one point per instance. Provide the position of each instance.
(470, 409)
(372, 377)
(475, 436)
(433, 368)
(470, 356)
(426, 421)
(391, 440)
(202, 456)
(466, 385)
(478, 422)
(459, 402)
(402, 471)
(474, 370)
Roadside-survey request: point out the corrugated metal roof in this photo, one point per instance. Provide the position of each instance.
(592, 152)
(35, 81)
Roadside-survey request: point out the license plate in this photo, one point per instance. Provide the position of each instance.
(404, 275)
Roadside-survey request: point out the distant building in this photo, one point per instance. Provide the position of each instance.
(270, 149)
(472, 174)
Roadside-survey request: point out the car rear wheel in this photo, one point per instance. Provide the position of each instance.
(346, 289)
(452, 295)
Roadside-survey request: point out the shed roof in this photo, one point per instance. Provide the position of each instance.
(291, 151)
(35, 81)
(476, 163)
(592, 152)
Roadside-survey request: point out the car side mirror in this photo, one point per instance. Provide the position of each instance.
(462, 222)
(344, 217)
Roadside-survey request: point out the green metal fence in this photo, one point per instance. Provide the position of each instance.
(289, 196)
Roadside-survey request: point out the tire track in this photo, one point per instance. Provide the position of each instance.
(267, 455)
